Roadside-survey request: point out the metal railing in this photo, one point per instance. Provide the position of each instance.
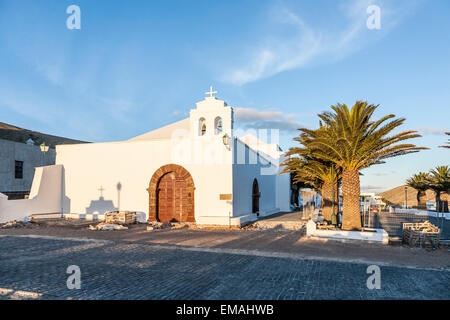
(392, 221)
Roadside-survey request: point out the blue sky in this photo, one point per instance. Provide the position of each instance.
(137, 65)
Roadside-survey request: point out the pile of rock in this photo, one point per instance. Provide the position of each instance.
(164, 225)
(107, 227)
(14, 224)
(275, 225)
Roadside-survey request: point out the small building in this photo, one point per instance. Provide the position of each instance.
(20, 154)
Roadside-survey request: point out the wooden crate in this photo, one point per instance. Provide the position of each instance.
(120, 217)
(421, 234)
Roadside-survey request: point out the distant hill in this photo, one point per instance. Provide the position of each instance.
(13, 133)
(396, 196)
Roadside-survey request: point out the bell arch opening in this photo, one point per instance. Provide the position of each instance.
(202, 126)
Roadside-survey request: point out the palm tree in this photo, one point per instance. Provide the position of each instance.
(353, 141)
(439, 182)
(448, 142)
(319, 174)
(420, 183)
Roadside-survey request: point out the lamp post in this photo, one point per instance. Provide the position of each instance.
(226, 141)
(406, 197)
(44, 150)
(333, 214)
(119, 187)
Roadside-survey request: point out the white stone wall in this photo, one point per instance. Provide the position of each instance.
(243, 175)
(283, 190)
(132, 164)
(45, 197)
(31, 156)
(88, 167)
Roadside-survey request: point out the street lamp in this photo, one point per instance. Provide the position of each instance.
(225, 140)
(44, 150)
(333, 214)
(406, 197)
(44, 147)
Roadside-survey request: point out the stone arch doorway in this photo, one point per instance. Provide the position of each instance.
(171, 195)
(255, 197)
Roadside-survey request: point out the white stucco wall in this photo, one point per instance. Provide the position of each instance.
(45, 197)
(283, 189)
(132, 164)
(244, 172)
(88, 167)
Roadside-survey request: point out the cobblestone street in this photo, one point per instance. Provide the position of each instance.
(121, 270)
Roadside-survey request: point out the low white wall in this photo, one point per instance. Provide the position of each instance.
(418, 212)
(84, 216)
(45, 197)
(378, 235)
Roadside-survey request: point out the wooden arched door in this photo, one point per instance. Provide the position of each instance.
(255, 197)
(171, 195)
(166, 198)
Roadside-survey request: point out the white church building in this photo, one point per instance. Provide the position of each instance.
(194, 170)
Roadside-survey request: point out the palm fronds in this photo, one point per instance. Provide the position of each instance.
(448, 142)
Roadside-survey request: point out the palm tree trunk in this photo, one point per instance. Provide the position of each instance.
(438, 200)
(327, 195)
(444, 201)
(351, 216)
(421, 200)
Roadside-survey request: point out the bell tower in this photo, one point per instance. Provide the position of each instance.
(212, 117)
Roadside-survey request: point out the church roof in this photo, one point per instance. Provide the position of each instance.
(164, 132)
(16, 134)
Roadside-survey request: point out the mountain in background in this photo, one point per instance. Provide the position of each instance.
(396, 196)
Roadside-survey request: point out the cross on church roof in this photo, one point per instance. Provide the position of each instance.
(211, 92)
(101, 191)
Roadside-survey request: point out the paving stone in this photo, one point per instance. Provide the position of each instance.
(113, 270)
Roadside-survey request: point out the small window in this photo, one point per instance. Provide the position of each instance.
(18, 172)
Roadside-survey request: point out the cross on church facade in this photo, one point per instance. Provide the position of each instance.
(211, 92)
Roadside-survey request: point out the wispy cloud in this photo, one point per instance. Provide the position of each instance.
(178, 113)
(117, 108)
(432, 131)
(304, 45)
(255, 119)
(382, 174)
(25, 106)
(372, 188)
